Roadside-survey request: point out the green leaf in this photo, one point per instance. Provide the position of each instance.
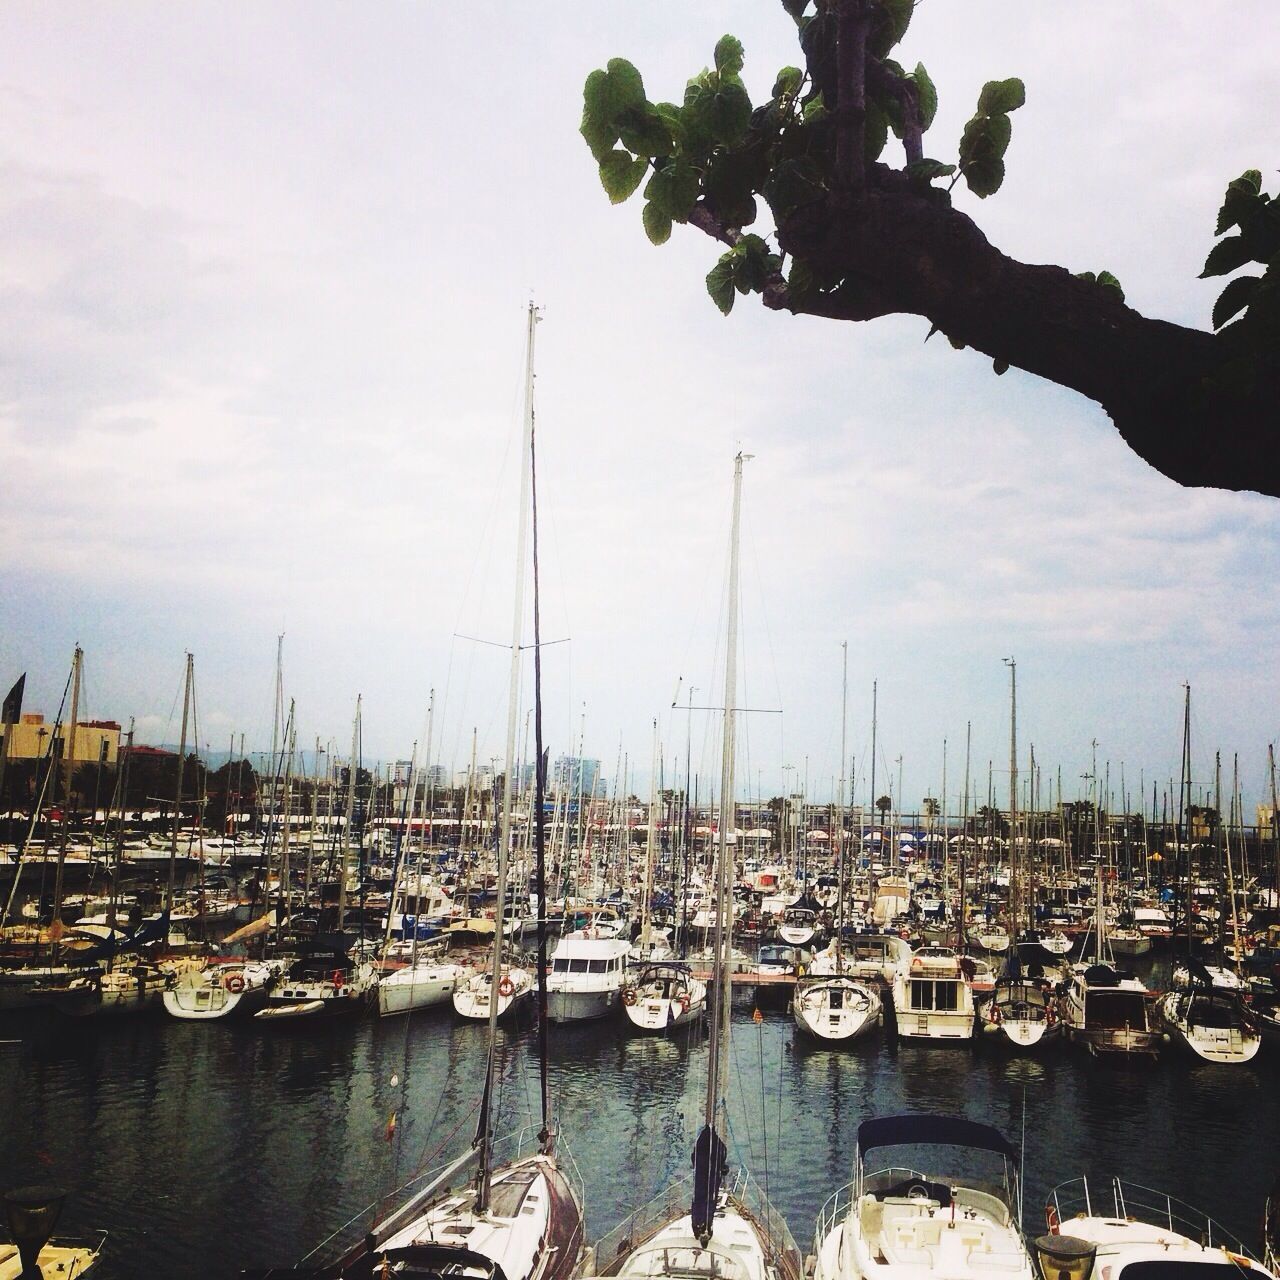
(674, 189)
(800, 281)
(788, 82)
(1088, 276)
(720, 284)
(926, 95)
(1241, 202)
(894, 19)
(1108, 281)
(814, 109)
(984, 176)
(626, 87)
(1234, 298)
(792, 183)
(729, 55)
(657, 223)
(998, 132)
(1000, 96)
(599, 136)
(1001, 367)
(644, 131)
(1226, 256)
(729, 114)
(926, 170)
(729, 184)
(621, 174)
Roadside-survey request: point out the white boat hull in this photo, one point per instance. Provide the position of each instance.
(837, 1010)
(580, 1006)
(418, 987)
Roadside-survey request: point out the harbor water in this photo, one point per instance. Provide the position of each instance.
(205, 1148)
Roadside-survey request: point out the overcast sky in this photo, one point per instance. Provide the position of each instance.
(263, 271)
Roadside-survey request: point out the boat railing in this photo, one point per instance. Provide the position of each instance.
(1132, 1202)
(832, 1213)
(673, 1202)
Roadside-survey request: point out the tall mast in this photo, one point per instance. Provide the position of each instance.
(69, 758)
(718, 1063)
(874, 797)
(1015, 902)
(513, 716)
(649, 844)
(177, 798)
(964, 835)
(844, 733)
(348, 817)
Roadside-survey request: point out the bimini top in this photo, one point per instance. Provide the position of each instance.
(931, 1130)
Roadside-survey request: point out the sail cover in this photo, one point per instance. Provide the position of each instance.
(931, 1130)
(710, 1164)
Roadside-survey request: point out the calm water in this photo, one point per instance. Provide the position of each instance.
(206, 1148)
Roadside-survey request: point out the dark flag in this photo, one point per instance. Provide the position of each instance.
(12, 712)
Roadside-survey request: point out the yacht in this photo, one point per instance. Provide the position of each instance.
(932, 1000)
(419, 985)
(330, 977)
(836, 1008)
(798, 926)
(904, 1224)
(1108, 1011)
(664, 996)
(1020, 1014)
(1119, 1229)
(236, 988)
(587, 974)
(1212, 1023)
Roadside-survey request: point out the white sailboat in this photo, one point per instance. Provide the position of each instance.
(664, 996)
(721, 1235)
(836, 1006)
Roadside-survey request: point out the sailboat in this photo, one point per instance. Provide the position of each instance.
(1021, 1011)
(520, 1219)
(835, 1005)
(706, 1227)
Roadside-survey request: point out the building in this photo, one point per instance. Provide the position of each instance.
(575, 776)
(93, 742)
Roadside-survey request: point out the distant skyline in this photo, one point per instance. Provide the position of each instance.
(265, 272)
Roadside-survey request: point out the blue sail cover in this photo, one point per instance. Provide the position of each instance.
(710, 1164)
(930, 1130)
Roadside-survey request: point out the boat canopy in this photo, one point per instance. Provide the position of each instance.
(932, 1130)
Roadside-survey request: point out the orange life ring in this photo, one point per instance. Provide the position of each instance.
(235, 983)
(506, 988)
(628, 996)
(917, 963)
(336, 978)
(1051, 1219)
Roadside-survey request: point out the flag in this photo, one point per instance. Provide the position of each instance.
(391, 1127)
(13, 703)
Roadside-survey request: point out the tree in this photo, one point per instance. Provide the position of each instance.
(855, 238)
(884, 804)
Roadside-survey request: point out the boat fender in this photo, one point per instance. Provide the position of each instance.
(628, 996)
(506, 988)
(235, 983)
(917, 964)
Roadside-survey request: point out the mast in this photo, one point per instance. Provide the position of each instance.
(347, 818)
(508, 789)
(964, 837)
(649, 845)
(177, 798)
(1015, 903)
(69, 755)
(1184, 792)
(844, 732)
(718, 1062)
(546, 1137)
(875, 797)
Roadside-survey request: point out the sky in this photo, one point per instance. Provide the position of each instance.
(263, 280)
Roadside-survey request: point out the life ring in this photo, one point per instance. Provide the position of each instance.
(628, 996)
(916, 963)
(235, 983)
(506, 988)
(905, 934)
(1051, 1219)
(336, 978)
(684, 1003)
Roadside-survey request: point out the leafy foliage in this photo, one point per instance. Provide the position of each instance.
(986, 137)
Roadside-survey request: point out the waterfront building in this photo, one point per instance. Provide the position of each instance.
(92, 742)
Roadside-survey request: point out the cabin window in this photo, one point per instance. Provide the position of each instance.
(926, 994)
(598, 966)
(560, 966)
(577, 966)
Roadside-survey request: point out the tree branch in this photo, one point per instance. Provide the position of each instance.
(905, 250)
(852, 24)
